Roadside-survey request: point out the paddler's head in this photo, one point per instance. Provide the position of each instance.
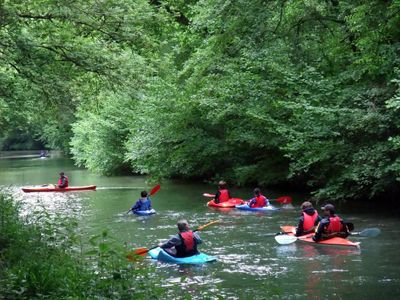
(257, 192)
(222, 185)
(183, 225)
(328, 210)
(143, 195)
(306, 204)
(61, 174)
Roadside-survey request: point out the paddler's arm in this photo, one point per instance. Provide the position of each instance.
(174, 241)
(299, 228)
(197, 238)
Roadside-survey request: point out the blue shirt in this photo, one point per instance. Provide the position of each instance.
(142, 205)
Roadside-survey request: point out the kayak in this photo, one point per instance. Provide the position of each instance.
(258, 209)
(335, 241)
(144, 212)
(52, 188)
(231, 203)
(160, 255)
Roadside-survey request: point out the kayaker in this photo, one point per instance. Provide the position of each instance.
(184, 243)
(308, 220)
(144, 203)
(62, 181)
(259, 200)
(330, 226)
(223, 194)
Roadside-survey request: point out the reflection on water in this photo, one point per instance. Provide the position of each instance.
(250, 263)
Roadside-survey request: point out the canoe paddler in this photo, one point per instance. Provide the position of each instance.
(308, 220)
(223, 193)
(62, 181)
(184, 243)
(330, 226)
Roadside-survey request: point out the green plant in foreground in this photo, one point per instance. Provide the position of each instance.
(38, 260)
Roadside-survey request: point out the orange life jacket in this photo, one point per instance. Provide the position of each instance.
(309, 221)
(260, 201)
(188, 246)
(224, 195)
(60, 181)
(335, 225)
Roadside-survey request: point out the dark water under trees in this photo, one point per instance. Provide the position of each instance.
(250, 263)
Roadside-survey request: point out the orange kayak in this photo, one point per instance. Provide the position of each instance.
(52, 188)
(335, 241)
(231, 203)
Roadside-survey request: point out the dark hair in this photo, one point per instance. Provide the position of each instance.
(257, 191)
(62, 173)
(143, 194)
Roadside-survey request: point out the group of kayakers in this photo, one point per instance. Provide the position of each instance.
(325, 227)
(185, 242)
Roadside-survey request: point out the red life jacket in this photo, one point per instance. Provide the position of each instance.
(188, 246)
(335, 225)
(309, 221)
(260, 201)
(224, 195)
(60, 181)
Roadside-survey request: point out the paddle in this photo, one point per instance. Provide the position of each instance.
(208, 195)
(285, 239)
(152, 192)
(143, 251)
(283, 200)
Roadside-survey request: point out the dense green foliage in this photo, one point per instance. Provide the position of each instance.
(41, 257)
(256, 92)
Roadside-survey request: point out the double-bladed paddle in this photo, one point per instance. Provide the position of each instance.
(152, 192)
(143, 251)
(285, 239)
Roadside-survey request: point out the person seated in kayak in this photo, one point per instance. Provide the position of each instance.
(62, 181)
(184, 243)
(330, 226)
(223, 194)
(144, 203)
(258, 200)
(309, 219)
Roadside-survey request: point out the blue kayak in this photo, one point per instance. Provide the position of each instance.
(161, 255)
(260, 209)
(144, 212)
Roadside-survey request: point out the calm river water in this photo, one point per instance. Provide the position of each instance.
(251, 265)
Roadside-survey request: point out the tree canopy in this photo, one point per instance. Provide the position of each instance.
(304, 93)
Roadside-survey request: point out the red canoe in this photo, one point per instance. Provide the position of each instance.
(227, 204)
(336, 241)
(52, 188)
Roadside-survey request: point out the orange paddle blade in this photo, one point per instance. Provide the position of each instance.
(155, 189)
(284, 199)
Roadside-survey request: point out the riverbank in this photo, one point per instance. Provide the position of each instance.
(44, 257)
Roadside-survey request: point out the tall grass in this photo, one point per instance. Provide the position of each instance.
(41, 256)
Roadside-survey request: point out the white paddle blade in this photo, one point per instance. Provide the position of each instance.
(370, 232)
(285, 239)
(208, 195)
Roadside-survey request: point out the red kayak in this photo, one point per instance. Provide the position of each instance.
(335, 241)
(52, 188)
(231, 203)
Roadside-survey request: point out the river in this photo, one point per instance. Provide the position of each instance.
(251, 265)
